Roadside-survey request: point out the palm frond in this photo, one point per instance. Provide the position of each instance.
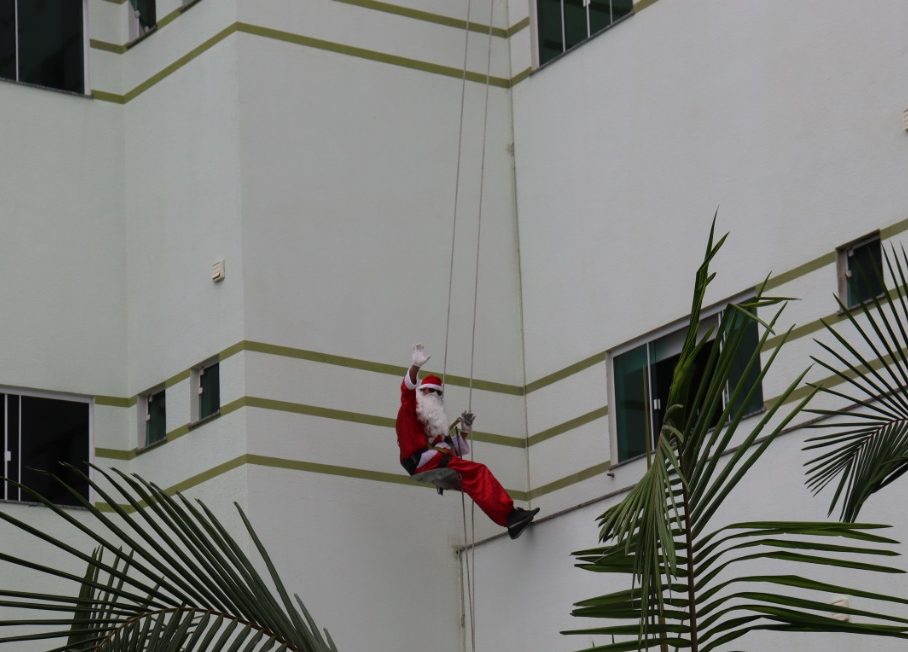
(165, 575)
(865, 443)
(692, 584)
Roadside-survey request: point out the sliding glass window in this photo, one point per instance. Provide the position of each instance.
(42, 43)
(563, 24)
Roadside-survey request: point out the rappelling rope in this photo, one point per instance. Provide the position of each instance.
(470, 563)
(471, 559)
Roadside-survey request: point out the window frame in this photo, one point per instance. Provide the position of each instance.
(843, 271)
(536, 50)
(86, 49)
(144, 417)
(196, 389)
(6, 391)
(711, 313)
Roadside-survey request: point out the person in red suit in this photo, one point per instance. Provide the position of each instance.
(425, 444)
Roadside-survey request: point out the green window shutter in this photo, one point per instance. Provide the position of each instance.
(551, 40)
(50, 44)
(156, 420)
(750, 340)
(631, 411)
(210, 385)
(865, 273)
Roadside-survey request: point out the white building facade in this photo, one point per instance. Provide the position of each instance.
(225, 228)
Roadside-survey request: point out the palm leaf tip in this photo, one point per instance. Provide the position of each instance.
(163, 575)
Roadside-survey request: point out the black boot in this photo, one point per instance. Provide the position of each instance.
(519, 519)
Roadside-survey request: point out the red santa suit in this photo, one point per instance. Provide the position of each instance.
(418, 454)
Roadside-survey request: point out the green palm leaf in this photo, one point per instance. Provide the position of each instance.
(692, 584)
(165, 575)
(865, 444)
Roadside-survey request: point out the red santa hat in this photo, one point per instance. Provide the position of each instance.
(431, 382)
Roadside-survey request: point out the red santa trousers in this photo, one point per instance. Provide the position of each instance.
(479, 484)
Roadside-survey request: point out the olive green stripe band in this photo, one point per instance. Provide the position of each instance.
(364, 365)
(371, 55)
(574, 478)
(97, 44)
(298, 39)
(356, 417)
(296, 465)
(437, 19)
(561, 428)
(577, 367)
(115, 454)
(385, 7)
(115, 401)
(893, 229)
(800, 270)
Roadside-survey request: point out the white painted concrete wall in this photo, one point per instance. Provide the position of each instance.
(313, 147)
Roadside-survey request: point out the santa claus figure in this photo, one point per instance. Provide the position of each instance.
(425, 444)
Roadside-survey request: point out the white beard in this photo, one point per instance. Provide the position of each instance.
(430, 409)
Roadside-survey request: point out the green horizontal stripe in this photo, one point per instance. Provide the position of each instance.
(574, 478)
(800, 270)
(96, 44)
(298, 39)
(428, 17)
(640, 5)
(177, 378)
(115, 401)
(519, 25)
(326, 358)
(315, 411)
(371, 55)
(294, 465)
(519, 77)
(114, 454)
(577, 367)
(561, 428)
(893, 229)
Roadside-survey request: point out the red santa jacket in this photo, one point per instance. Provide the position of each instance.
(411, 437)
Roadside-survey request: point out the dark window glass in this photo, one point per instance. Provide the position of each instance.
(50, 43)
(210, 398)
(864, 273)
(575, 23)
(643, 378)
(8, 39)
(630, 401)
(145, 9)
(600, 15)
(750, 340)
(12, 444)
(621, 8)
(551, 44)
(155, 419)
(53, 432)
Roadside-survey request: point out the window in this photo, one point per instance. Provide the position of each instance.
(860, 267)
(642, 375)
(41, 43)
(562, 24)
(208, 388)
(142, 18)
(39, 434)
(154, 419)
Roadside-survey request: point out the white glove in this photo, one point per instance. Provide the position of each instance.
(466, 423)
(420, 357)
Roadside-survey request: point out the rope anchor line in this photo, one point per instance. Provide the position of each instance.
(469, 536)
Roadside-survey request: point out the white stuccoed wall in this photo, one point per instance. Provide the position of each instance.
(325, 179)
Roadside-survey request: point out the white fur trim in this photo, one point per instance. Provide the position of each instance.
(407, 382)
(431, 386)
